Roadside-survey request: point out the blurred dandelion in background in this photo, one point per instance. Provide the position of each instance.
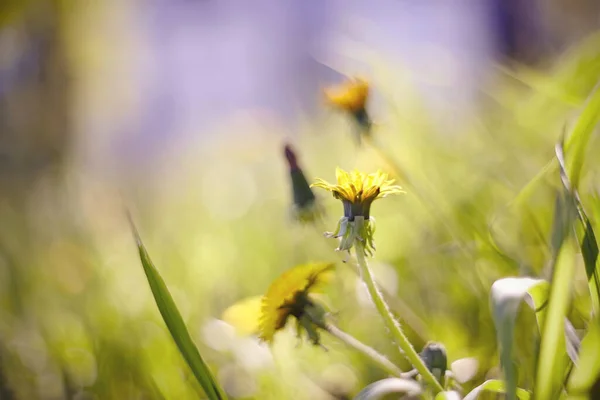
(351, 97)
(289, 296)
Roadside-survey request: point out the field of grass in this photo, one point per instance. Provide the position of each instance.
(514, 195)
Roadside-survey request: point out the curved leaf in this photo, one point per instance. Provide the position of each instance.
(589, 250)
(387, 386)
(464, 369)
(495, 386)
(582, 132)
(587, 371)
(587, 243)
(552, 360)
(506, 297)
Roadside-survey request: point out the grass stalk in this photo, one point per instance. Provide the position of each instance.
(390, 322)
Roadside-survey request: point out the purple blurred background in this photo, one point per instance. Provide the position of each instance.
(162, 71)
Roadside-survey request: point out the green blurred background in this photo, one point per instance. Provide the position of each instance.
(91, 120)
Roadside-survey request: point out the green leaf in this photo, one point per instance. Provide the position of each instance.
(551, 363)
(387, 386)
(495, 386)
(176, 326)
(588, 244)
(544, 86)
(576, 145)
(581, 134)
(506, 297)
(587, 370)
(589, 250)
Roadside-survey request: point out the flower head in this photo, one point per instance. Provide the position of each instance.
(351, 96)
(358, 191)
(243, 315)
(289, 295)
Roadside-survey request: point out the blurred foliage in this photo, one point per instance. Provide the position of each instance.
(77, 319)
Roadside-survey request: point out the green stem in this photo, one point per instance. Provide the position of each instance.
(371, 353)
(391, 323)
(409, 317)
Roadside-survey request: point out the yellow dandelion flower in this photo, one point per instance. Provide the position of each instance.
(358, 191)
(352, 97)
(289, 296)
(244, 315)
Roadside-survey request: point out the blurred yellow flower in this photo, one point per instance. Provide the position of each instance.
(358, 191)
(244, 314)
(289, 296)
(352, 96)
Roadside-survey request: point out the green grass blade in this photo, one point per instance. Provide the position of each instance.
(576, 144)
(589, 250)
(581, 134)
(552, 362)
(176, 326)
(588, 244)
(587, 371)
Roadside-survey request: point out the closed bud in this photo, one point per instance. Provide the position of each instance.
(305, 207)
(435, 358)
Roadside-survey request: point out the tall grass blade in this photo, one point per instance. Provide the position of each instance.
(587, 372)
(175, 324)
(588, 244)
(552, 361)
(581, 134)
(589, 250)
(575, 144)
